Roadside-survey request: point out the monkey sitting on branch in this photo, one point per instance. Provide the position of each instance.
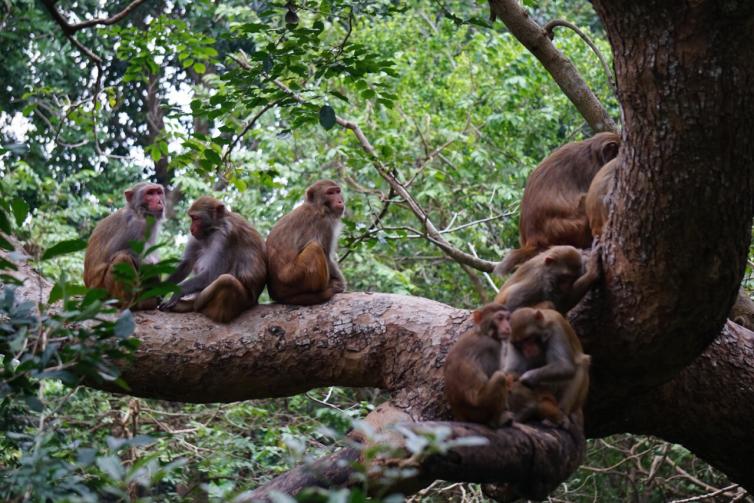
(546, 366)
(109, 244)
(301, 249)
(475, 384)
(553, 206)
(227, 258)
(557, 279)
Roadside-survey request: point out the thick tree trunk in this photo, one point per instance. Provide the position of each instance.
(677, 238)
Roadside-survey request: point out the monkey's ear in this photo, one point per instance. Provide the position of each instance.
(129, 195)
(310, 195)
(549, 260)
(477, 315)
(609, 151)
(220, 210)
(538, 315)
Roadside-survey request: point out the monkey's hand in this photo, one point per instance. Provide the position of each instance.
(528, 380)
(170, 303)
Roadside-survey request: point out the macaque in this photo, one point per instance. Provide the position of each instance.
(596, 198)
(552, 209)
(527, 404)
(742, 311)
(109, 243)
(303, 268)
(555, 279)
(227, 258)
(474, 382)
(546, 356)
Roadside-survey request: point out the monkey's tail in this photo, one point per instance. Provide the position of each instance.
(515, 257)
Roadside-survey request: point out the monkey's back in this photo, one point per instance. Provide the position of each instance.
(468, 366)
(98, 249)
(248, 260)
(553, 190)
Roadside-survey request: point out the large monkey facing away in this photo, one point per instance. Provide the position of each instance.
(301, 249)
(552, 209)
(545, 355)
(227, 258)
(109, 243)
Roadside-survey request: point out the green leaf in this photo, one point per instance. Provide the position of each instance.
(327, 117)
(34, 403)
(112, 466)
(340, 96)
(5, 225)
(64, 247)
(5, 244)
(200, 68)
(125, 325)
(20, 210)
(212, 156)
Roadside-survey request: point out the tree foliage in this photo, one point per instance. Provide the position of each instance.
(241, 104)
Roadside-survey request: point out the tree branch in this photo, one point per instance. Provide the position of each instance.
(70, 29)
(432, 232)
(535, 39)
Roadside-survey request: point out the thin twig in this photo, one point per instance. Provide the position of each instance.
(549, 28)
(432, 233)
(708, 495)
(247, 128)
(69, 28)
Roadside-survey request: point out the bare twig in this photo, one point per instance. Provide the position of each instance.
(70, 29)
(706, 496)
(550, 27)
(432, 233)
(531, 35)
(247, 128)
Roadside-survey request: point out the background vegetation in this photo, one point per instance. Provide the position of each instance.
(186, 94)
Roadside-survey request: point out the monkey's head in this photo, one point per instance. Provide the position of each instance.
(206, 214)
(530, 332)
(604, 147)
(493, 320)
(146, 199)
(564, 265)
(326, 196)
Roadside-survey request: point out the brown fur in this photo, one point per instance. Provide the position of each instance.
(552, 209)
(301, 249)
(556, 278)
(228, 258)
(742, 311)
(109, 246)
(528, 404)
(561, 366)
(475, 386)
(596, 198)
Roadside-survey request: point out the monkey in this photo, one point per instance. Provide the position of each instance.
(555, 279)
(596, 199)
(475, 385)
(545, 354)
(301, 249)
(526, 404)
(109, 246)
(742, 311)
(552, 208)
(228, 260)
